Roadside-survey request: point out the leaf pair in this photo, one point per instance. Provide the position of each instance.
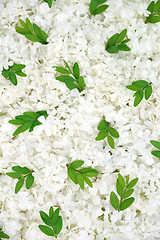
(32, 32)
(106, 131)
(53, 221)
(27, 121)
(80, 176)
(96, 6)
(12, 71)
(76, 81)
(139, 87)
(50, 2)
(154, 9)
(21, 173)
(3, 235)
(117, 43)
(156, 144)
(124, 190)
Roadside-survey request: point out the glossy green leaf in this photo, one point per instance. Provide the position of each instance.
(113, 132)
(114, 200)
(140, 83)
(17, 67)
(3, 235)
(110, 142)
(86, 179)
(58, 225)
(16, 121)
(49, 2)
(64, 78)
(45, 218)
(77, 164)
(14, 175)
(138, 98)
(5, 73)
(54, 218)
(21, 170)
(156, 153)
(112, 41)
(92, 6)
(46, 230)
(80, 180)
(101, 135)
(22, 128)
(89, 172)
(29, 25)
(81, 82)
(155, 144)
(61, 70)
(121, 180)
(132, 183)
(100, 9)
(72, 175)
(126, 203)
(133, 87)
(123, 47)
(128, 193)
(21, 74)
(19, 185)
(51, 211)
(29, 181)
(112, 49)
(148, 92)
(21, 31)
(71, 85)
(151, 7)
(13, 78)
(76, 71)
(32, 37)
(67, 66)
(103, 125)
(121, 36)
(119, 188)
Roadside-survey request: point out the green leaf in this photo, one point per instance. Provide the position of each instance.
(121, 36)
(22, 128)
(43, 113)
(133, 87)
(61, 70)
(127, 179)
(45, 218)
(113, 132)
(54, 218)
(138, 98)
(89, 172)
(148, 92)
(37, 31)
(21, 170)
(151, 7)
(110, 142)
(112, 49)
(67, 66)
(114, 200)
(29, 25)
(17, 67)
(72, 175)
(132, 183)
(19, 185)
(156, 153)
(155, 144)
(103, 125)
(77, 164)
(140, 83)
(46, 230)
(93, 6)
(80, 180)
(101, 1)
(119, 188)
(13, 78)
(101, 135)
(87, 181)
(58, 225)
(126, 203)
(125, 41)
(14, 175)
(5, 73)
(21, 31)
(100, 9)
(21, 74)
(29, 181)
(35, 123)
(31, 114)
(123, 47)
(32, 37)
(112, 40)
(153, 19)
(3, 235)
(121, 180)
(23, 24)
(128, 193)
(156, 6)
(16, 121)
(71, 85)
(51, 211)
(64, 78)
(76, 71)
(81, 82)
(49, 2)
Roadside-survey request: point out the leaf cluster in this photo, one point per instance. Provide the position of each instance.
(32, 32)
(50, 2)
(117, 43)
(139, 87)
(124, 190)
(27, 121)
(21, 173)
(79, 176)
(107, 131)
(156, 144)
(154, 9)
(3, 235)
(12, 71)
(96, 6)
(53, 222)
(76, 81)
